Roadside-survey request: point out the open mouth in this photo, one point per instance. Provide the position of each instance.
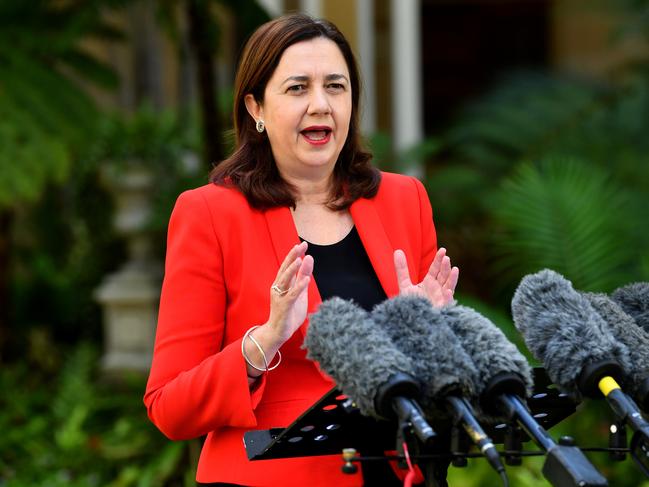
(316, 134)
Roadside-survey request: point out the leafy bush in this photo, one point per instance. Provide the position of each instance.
(547, 172)
(75, 430)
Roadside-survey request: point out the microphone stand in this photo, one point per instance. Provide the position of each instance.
(431, 457)
(334, 424)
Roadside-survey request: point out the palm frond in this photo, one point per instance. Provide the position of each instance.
(83, 64)
(522, 117)
(561, 214)
(29, 158)
(52, 102)
(46, 115)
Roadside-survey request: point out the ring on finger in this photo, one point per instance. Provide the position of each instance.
(279, 290)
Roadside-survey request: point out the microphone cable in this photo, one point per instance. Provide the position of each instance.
(407, 482)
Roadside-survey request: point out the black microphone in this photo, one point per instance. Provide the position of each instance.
(504, 378)
(634, 300)
(365, 364)
(446, 371)
(624, 329)
(562, 329)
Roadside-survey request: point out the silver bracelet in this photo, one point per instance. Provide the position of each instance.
(261, 351)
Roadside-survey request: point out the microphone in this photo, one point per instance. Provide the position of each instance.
(634, 300)
(365, 364)
(624, 329)
(445, 370)
(562, 329)
(504, 377)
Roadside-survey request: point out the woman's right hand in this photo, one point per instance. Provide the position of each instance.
(289, 293)
(288, 307)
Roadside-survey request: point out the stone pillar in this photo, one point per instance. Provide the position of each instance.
(312, 7)
(129, 297)
(275, 8)
(407, 99)
(367, 61)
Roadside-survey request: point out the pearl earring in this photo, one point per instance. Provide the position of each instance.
(260, 126)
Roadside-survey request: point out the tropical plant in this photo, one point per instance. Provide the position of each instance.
(46, 116)
(564, 215)
(591, 198)
(526, 114)
(75, 430)
(161, 141)
(60, 260)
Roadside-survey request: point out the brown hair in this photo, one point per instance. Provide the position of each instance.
(251, 168)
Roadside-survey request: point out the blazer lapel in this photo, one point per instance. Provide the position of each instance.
(282, 231)
(376, 243)
(283, 235)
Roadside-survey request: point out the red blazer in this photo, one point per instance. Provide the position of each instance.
(222, 258)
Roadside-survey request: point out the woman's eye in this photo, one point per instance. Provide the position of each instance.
(336, 86)
(296, 88)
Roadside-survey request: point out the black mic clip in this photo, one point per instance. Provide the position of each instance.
(459, 446)
(393, 400)
(617, 441)
(513, 443)
(405, 438)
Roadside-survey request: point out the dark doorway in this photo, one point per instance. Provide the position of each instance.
(468, 44)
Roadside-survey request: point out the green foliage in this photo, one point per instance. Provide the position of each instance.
(409, 160)
(564, 215)
(526, 114)
(637, 13)
(78, 431)
(156, 139)
(162, 142)
(584, 193)
(45, 115)
(66, 243)
(29, 159)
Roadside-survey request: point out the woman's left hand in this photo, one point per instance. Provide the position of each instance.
(438, 284)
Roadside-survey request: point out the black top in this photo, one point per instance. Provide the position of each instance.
(343, 269)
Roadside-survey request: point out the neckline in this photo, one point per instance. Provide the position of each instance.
(311, 244)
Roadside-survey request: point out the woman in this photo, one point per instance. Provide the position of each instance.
(295, 215)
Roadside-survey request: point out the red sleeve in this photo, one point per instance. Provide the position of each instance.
(194, 386)
(428, 234)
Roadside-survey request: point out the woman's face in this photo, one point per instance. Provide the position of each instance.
(306, 109)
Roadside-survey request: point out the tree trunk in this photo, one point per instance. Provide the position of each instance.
(199, 18)
(6, 221)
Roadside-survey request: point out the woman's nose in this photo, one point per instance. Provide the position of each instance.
(319, 101)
